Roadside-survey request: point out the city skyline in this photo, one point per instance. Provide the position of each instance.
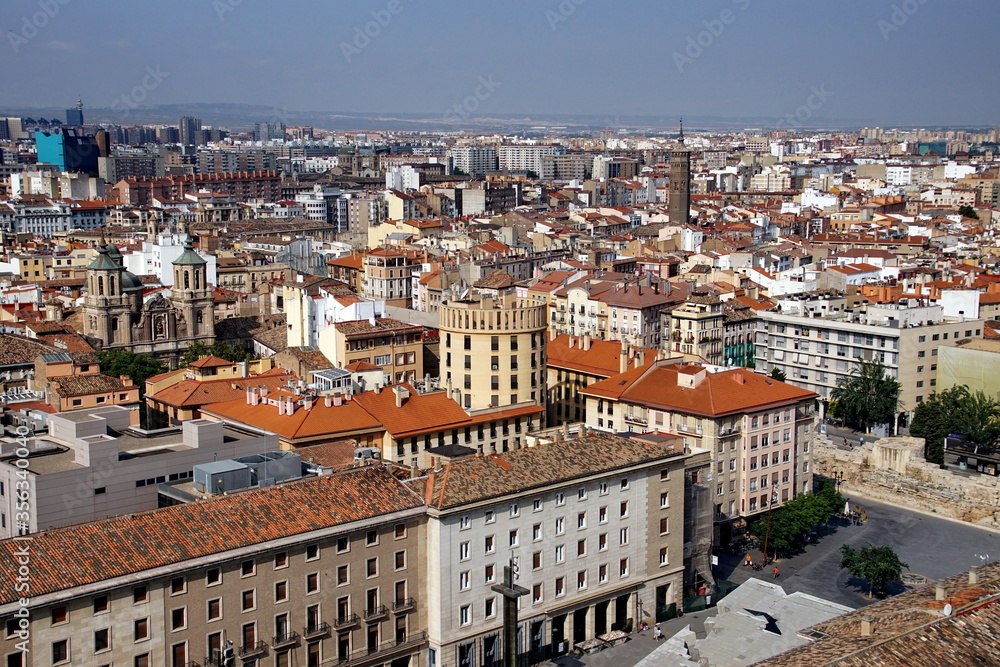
(867, 63)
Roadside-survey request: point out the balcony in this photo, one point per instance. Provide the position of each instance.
(253, 650)
(401, 606)
(384, 652)
(285, 640)
(316, 631)
(729, 431)
(636, 419)
(376, 613)
(344, 622)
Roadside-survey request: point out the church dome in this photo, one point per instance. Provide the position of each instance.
(114, 253)
(189, 256)
(130, 282)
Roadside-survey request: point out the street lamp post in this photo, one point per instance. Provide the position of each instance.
(767, 531)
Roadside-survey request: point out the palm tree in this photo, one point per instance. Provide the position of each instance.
(868, 395)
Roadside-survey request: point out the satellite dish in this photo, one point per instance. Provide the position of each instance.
(947, 609)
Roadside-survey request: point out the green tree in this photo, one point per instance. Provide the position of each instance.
(867, 396)
(139, 367)
(955, 410)
(458, 172)
(876, 565)
(220, 348)
(778, 374)
(797, 517)
(968, 212)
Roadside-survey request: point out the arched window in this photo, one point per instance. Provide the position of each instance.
(111, 285)
(187, 280)
(197, 279)
(100, 285)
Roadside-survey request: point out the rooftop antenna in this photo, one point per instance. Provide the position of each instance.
(680, 137)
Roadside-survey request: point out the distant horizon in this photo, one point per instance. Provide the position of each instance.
(904, 63)
(241, 116)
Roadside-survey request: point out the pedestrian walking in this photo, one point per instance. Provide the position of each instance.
(862, 441)
(748, 560)
(657, 633)
(845, 442)
(776, 572)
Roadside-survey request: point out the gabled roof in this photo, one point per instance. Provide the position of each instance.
(717, 394)
(195, 393)
(420, 412)
(90, 553)
(603, 357)
(317, 422)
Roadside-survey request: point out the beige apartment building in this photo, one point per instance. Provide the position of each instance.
(759, 430)
(300, 574)
(493, 351)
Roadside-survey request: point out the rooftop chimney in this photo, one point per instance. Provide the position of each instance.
(973, 576)
(402, 394)
(328, 400)
(867, 626)
(253, 398)
(940, 593)
(585, 344)
(291, 406)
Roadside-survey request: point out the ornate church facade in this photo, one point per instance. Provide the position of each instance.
(115, 312)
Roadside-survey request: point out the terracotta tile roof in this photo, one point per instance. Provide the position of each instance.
(82, 385)
(359, 366)
(382, 325)
(497, 279)
(90, 553)
(909, 629)
(18, 350)
(480, 478)
(722, 393)
(601, 359)
(211, 362)
(318, 422)
(332, 454)
(420, 412)
(195, 393)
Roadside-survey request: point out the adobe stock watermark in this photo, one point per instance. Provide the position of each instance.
(562, 12)
(901, 13)
(463, 110)
(814, 102)
(134, 98)
(35, 22)
(363, 35)
(696, 44)
(223, 7)
(22, 540)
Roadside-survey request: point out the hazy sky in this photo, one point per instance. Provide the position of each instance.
(900, 62)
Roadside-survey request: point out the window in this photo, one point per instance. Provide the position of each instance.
(623, 536)
(602, 541)
(536, 532)
(623, 509)
(581, 580)
(178, 585)
(490, 573)
(581, 494)
(581, 547)
(463, 551)
(399, 532)
(213, 577)
(312, 582)
(490, 515)
(560, 498)
(581, 520)
(464, 523)
(513, 538)
(59, 615)
(465, 614)
(343, 575)
(536, 505)
(102, 640)
(343, 544)
(602, 515)
(665, 498)
(560, 586)
(623, 567)
(248, 600)
(371, 567)
(624, 484)
(664, 525)
(463, 581)
(514, 510)
(490, 544)
(141, 629)
(663, 556)
(312, 552)
(281, 591)
(60, 651)
(371, 538)
(560, 553)
(178, 618)
(248, 568)
(490, 609)
(214, 611)
(101, 604)
(400, 560)
(603, 488)
(141, 660)
(536, 593)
